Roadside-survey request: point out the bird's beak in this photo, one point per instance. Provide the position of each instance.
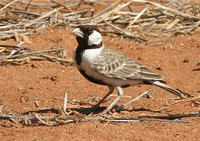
(78, 32)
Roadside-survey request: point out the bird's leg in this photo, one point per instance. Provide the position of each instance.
(130, 102)
(120, 93)
(111, 89)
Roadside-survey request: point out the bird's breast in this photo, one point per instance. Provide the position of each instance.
(84, 59)
(89, 55)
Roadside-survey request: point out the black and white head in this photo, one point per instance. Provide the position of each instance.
(88, 36)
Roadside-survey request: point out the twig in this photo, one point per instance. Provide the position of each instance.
(137, 17)
(173, 23)
(30, 53)
(187, 100)
(37, 4)
(65, 104)
(12, 31)
(7, 5)
(53, 58)
(28, 5)
(144, 119)
(12, 35)
(11, 26)
(60, 4)
(126, 33)
(169, 9)
(64, 119)
(42, 121)
(42, 17)
(26, 12)
(12, 47)
(21, 55)
(159, 21)
(107, 9)
(128, 103)
(174, 116)
(79, 12)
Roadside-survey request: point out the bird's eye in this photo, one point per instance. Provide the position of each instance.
(90, 31)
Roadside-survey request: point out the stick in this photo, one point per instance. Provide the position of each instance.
(7, 5)
(37, 4)
(56, 120)
(128, 103)
(12, 35)
(30, 53)
(79, 12)
(11, 26)
(126, 33)
(42, 121)
(13, 47)
(66, 7)
(144, 119)
(65, 104)
(28, 5)
(12, 31)
(137, 17)
(26, 12)
(42, 17)
(107, 9)
(174, 116)
(166, 8)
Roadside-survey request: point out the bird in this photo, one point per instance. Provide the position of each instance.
(107, 66)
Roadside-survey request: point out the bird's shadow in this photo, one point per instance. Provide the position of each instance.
(51, 110)
(91, 110)
(87, 111)
(142, 110)
(97, 110)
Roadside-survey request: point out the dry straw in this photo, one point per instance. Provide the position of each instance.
(167, 18)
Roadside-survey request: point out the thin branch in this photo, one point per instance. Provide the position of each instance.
(65, 104)
(174, 116)
(137, 17)
(30, 53)
(7, 5)
(107, 9)
(144, 119)
(42, 17)
(126, 33)
(134, 100)
(167, 8)
(60, 4)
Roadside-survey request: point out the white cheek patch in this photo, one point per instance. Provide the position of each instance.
(95, 38)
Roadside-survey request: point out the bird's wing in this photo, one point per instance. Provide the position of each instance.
(114, 64)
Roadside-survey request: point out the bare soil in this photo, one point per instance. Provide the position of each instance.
(178, 61)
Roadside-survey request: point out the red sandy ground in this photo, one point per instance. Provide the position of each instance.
(176, 65)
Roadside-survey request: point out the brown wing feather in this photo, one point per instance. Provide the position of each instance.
(115, 65)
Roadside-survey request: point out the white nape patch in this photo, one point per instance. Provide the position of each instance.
(90, 54)
(78, 32)
(95, 38)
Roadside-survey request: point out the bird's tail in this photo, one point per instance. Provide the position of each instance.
(170, 89)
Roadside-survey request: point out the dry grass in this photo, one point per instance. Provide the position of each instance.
(167, 19)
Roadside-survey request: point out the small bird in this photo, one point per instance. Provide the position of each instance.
(106, 66)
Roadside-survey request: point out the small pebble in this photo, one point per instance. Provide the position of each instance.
(186, 61)
(139, 58)
(159, 68)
